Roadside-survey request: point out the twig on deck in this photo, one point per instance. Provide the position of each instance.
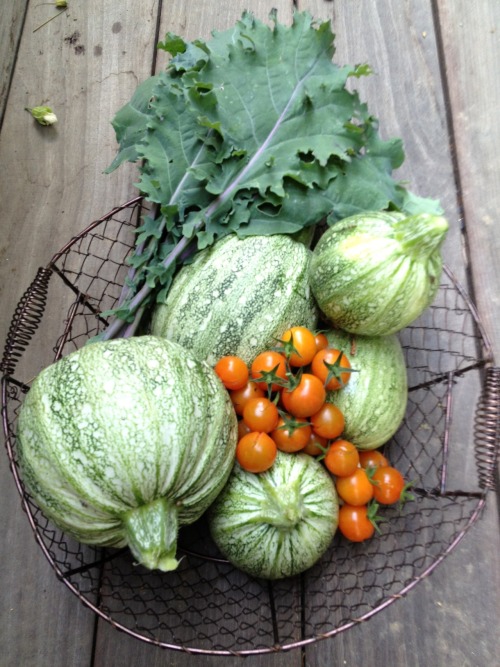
(62, 5)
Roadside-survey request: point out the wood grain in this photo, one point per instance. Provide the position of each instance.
(192, 23)
(11, 28)
(474, 94)
(434, 85)
(407, 94)
(52, 186)
(404, 92)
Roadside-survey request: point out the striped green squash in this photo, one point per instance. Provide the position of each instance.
(237, 297)
(123, 441)
(278, 523)
(374, 273)
(374, 400)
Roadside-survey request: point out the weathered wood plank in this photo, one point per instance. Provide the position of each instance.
(192, 23)
(11, 26)
(42, 623)
(181, 19)
(406, 94)
(52, 186)
(474, 97)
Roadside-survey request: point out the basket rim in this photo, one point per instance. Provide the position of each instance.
(487, 360)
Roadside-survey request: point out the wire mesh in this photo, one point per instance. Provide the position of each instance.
(207, 606)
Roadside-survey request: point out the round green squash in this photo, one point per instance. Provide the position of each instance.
(122, 442)
(278, 523)
(238, 297)
(375, 273)
(374, 399)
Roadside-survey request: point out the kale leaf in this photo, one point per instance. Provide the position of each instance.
(251, 132)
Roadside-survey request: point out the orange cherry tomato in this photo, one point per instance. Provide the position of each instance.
(290, 435)
(328, 365)
(242, 429)
(306, 398)
(269, 365)
(355, 524)
(328, 421)
(355, 489)
(372, 458)
(256, 452)
(240, 397)
(388, 485)
(316, 445)
(321, 341)
(342, 458)
(261, 414)
(302, 344)
(232, 371)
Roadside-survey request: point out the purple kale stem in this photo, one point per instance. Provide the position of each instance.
(130, 330)
(126, 289)
(227, 193)
(116, 327)
(124, 294)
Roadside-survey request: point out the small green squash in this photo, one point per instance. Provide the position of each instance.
(238, 297)
(374, 399)
(278, 523)
(122, 442)
(375, 273)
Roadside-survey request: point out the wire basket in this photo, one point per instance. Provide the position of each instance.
(206, 605)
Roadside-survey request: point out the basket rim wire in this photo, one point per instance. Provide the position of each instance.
(24, 324)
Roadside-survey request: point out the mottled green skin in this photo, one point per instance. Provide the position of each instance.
(116, 426)
(238, 297)
(278, 523)
(374, 399)
(373, 274)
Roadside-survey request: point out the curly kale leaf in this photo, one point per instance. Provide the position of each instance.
(251, 132)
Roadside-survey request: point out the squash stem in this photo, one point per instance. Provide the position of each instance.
(151, 534)
(420, 235)
(283, 506)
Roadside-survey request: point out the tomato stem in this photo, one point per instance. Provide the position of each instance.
(291, 424)
(270, 378)
(336, 370)
(405, 495)
(372, 516)
(286, 347)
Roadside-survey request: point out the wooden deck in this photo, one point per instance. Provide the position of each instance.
(436, 85)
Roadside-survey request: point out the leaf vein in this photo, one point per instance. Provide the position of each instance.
(256, 156)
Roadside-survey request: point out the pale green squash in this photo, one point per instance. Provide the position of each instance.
(278, 523)
(238, 297)
(374, 399)
(122, 442)
(375, 273)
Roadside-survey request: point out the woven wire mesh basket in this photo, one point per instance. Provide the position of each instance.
(207, 606)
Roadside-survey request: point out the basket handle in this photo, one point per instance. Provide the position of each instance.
(487, 429)
(27, 317)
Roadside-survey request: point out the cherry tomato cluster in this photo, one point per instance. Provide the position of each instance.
(281, 397)
(373, 482)
(281, 402)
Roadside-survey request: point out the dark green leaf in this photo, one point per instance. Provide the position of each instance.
(252, 132)
(131, 121)
(173, 44)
